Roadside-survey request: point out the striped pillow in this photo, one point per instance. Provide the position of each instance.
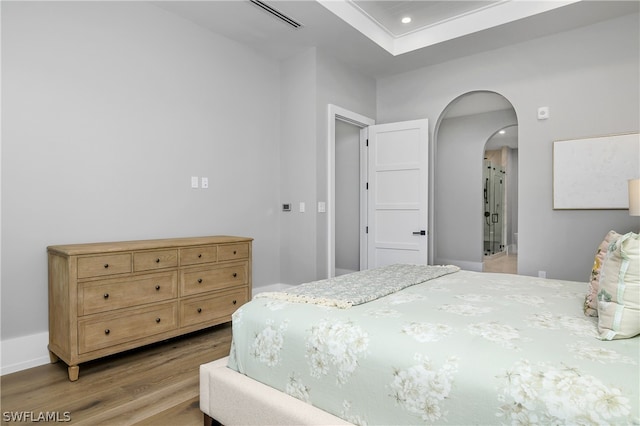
(619, 293)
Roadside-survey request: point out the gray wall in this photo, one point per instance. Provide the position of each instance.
(588, 78)
(108, 108)
(298, 168)
(310, 82)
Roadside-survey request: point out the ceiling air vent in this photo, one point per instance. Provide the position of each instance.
(281, 16)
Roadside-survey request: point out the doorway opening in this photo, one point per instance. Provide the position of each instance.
(500, 230)
(344, 173)
(347, 196)
(474, 209)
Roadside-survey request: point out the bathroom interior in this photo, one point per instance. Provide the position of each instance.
(499, 186)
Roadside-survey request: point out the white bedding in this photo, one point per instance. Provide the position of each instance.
(464, 348)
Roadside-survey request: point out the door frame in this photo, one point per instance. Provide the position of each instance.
(338, 113)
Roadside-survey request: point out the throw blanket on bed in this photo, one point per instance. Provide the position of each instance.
(361, 287)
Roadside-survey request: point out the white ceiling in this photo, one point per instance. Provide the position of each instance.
(246, 23)
(389, 14)
(435, 21)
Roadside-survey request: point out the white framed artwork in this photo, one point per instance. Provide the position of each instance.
(592, 173)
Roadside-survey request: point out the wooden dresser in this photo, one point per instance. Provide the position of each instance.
(105, 298)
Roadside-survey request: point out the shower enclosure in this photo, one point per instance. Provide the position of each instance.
(494, 207)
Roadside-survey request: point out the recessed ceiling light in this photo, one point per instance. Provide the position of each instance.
(406, 19)
(502, 132)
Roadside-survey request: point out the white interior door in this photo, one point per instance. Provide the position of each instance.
(397, 193)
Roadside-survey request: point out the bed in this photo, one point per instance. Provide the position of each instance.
(386, 346)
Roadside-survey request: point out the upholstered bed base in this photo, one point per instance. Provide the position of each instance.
(231, 398)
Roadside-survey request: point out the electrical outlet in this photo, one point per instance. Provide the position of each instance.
(205, 182)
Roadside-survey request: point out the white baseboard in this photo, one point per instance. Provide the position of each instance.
(24, 352)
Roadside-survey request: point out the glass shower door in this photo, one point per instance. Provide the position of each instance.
(494, 211)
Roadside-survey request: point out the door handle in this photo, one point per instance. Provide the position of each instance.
(423, 232)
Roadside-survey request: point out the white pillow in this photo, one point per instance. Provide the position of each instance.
(619, 294)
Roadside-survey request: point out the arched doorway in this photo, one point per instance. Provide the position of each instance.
(500, 201)
(460, 136)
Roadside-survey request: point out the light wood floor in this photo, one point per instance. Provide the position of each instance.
(507, 263)
(154, 385)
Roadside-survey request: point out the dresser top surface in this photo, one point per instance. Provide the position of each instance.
(118, 246)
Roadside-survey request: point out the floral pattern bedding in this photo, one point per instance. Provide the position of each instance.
(463, 348)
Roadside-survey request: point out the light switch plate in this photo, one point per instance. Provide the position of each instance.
(194, 181)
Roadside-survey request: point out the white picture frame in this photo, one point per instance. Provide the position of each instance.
(592, 173)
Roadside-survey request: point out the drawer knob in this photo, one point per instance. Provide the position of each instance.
(234, 252)
(107, 331)
(106, 265)
(199, 310)
(199, 256)
(157, 260)
(157, 320)
(157, 287)
(234, 302)
(106, 295)
(235, 274)
(199, 280)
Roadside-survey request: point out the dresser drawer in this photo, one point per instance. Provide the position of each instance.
(106, 295)
(197, 255)
(200, 280)
(109, 330)
(233, 251)
(214, 308)
(150, 260)
(107, 264)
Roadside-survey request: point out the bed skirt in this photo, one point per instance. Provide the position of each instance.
(232, 398)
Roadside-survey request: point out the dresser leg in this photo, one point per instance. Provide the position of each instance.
(53, 357)
(74, 372)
